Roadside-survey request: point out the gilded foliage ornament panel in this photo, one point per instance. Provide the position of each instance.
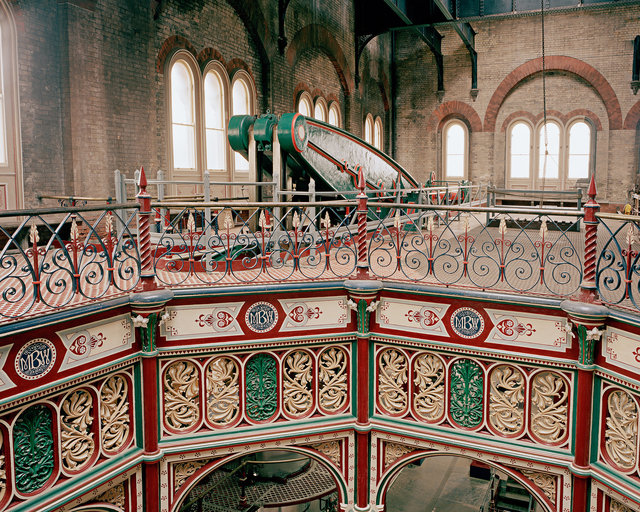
(616, 506)
(223, 391)
(261, 378)
(115, 421)
(115, 496)
(428, 392)
(549, 407)
(467, 393)
(330, 449)
(33, 449)
(184, 470)
(546, 482)
(333, 376)
(621, 434)
(506, 400)
(393, 451)
(297, 383)
(392, 381)
(76, 430)
(181, 395)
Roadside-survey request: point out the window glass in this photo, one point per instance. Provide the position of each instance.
(334, 115)
(304, 106)
(377, 133)
(214, 121)
(454, 150)
(3, 138)
(240, 105)
(520, 150)
(579, 150)
(182, 117)
(320, 112)
(368, 129)
(549, 141)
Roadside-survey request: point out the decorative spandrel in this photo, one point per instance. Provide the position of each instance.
(549, 407)
(115, 422)
(261, 378)
(181, 395)
(33, 449)
(621, 434)
(223, 391)
(467, 391)
(428, 395)
(297, 382)
(392, 381)
(506, 400)
(76, 435)
(333, 386)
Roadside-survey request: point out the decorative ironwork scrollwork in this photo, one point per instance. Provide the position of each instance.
(392, 381)
(549, 407)
(261, 378)
(297, 382)
(467, 392)
(333, 385)
(223, 391)
(506, 399)
(621, 434)
(428, 397)
(115, 422)
(181, 395)
(76, 433)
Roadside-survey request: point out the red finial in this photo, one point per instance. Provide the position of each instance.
(143, 179)
(361, 182)
(592, 187)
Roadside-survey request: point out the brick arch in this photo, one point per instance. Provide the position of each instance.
(256, 24)
(633, 117)
(301, 87)
(518, 114)
(317, 36)
(555, 63)
(170, 45)
(209, 54)
(587, 114)
(457, 109)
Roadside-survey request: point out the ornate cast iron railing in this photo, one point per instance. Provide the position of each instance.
(64, 256)
(55, 257)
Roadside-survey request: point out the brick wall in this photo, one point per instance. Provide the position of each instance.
(589, 57)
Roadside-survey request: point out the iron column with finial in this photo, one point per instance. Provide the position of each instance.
(586, 318)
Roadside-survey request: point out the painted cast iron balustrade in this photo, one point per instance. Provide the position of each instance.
(50, 258)
(57, 257)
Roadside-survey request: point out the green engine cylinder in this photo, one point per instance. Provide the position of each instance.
(293, 132)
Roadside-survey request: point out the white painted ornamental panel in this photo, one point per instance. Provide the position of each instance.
(621, 349)
(204, 321)
(423, 317)
(315, 313)
(533, 330)
(96, 340)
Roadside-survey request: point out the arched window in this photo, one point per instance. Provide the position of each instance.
(334, 114)
(455, 144)
(11, 187)
(242, 103)
(377, 133)
(305, 105)
(368, 129)
(215, 119)
(520, 150)
(183, 115)
(320, 110)
(579, 150)
(549, 151)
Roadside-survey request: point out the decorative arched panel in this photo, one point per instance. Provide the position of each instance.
(116, 425)
(261, 387)
(298, 370)
(506, 404)
(333, 380)
(78, 430)
(619, 443)
(181, 396)
(392, 382)
(466, 393)
(428, 387)
(34, 449)
(222, 393)
(549, 408)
